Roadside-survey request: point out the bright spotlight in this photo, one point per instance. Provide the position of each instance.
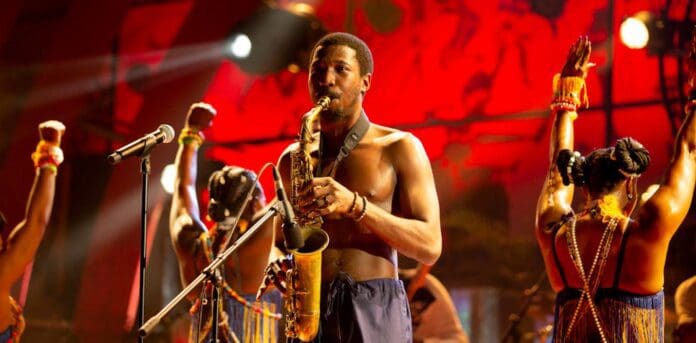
(634, 33)
(240, 47)
(275, 37)
(168, 177)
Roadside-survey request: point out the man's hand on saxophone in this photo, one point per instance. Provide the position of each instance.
(324, 196)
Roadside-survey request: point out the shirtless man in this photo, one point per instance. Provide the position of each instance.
(195, 245)
(18, 245)
(378, 200)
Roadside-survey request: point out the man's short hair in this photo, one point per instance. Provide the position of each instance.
(362, 51)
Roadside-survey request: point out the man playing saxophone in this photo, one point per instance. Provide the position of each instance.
(373, 187)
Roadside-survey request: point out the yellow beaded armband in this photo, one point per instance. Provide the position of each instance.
(569, 93)
(191, 136)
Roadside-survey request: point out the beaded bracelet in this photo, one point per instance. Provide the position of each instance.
(364, 210)
(565, 107)
(352, 205)
(191, 136)
(46, 162)
(569, 98)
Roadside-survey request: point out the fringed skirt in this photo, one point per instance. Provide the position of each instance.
(625, 317)
(240, 323)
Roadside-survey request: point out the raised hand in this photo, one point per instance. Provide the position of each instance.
(51, 131)
(200, 116)
(577, 62)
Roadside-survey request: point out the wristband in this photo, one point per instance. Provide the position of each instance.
(191, 136)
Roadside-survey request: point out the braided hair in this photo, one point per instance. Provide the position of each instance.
(228, 188)
(601, 170)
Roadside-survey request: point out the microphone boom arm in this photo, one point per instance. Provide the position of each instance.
(206, 273)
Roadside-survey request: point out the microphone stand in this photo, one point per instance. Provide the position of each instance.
(516, 318)
(208, 273)
(145, 171)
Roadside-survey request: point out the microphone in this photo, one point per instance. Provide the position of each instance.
(291, 230)
(143, 145)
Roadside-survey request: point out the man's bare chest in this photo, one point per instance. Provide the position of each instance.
(366, 171)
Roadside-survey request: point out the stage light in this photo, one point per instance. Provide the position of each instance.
(240, 46)
(168, 177)
(275, 38)
(634, 33)
(660, 36)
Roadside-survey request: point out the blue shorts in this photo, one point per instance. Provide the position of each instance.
(366, 311)
(6, 336)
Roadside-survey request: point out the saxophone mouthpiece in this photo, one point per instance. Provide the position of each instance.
(324, 102)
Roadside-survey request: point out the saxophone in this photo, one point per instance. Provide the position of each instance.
(304, 278)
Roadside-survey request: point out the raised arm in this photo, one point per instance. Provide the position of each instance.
(23, 241)
(185, 225)
(555, 198)
(662, 214)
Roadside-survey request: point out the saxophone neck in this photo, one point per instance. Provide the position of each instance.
(322, 104)
(311, 118)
